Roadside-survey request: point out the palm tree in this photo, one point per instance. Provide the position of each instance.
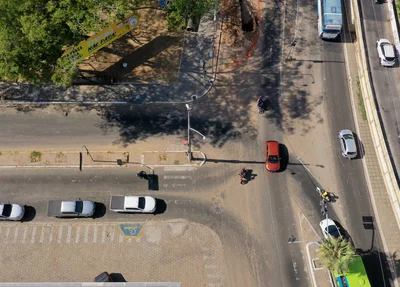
(336, 254)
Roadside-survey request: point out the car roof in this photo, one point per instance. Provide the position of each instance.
(132, 201)
(388, 50)
(273, 147)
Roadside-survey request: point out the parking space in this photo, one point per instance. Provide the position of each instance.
(140, 252)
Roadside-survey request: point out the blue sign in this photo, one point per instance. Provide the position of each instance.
(131, 229)
(163, 4)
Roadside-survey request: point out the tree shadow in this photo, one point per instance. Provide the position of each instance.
(100, 210)
(161, 206)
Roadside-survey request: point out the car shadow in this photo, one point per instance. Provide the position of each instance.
(100, 210)
(117, 277)
(343, 231)
(360, 147)
(284, 154)
(30, 213)
(161, 206)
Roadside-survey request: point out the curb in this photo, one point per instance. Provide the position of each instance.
(173, 165)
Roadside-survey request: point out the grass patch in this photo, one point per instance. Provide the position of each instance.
(176, 162)
(361, 105)
(36, 156)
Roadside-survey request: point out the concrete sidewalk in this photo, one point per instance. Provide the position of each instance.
(97, 159)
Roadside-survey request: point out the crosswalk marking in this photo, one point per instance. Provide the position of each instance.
(45, 233)
(33, 234)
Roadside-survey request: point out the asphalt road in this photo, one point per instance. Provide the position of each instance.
(385, 81)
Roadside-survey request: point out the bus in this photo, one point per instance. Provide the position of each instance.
(330, 19)
(355, 277)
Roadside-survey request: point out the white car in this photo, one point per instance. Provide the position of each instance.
(130, 204)
(10, 211)
(329, 228)
(347, 144)
(386, 52)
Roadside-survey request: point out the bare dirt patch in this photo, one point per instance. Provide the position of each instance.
(151, 53)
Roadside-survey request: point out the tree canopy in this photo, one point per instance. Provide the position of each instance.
(336, 254)
(33, 33)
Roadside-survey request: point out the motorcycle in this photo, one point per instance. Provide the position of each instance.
(324, 194)
(243, 174)
(260, 105)
(142, 175)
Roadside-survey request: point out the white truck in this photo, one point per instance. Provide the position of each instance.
(133, 204)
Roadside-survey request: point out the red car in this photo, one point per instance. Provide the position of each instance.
(272, 159)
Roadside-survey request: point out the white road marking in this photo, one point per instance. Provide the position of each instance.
(69, 233)
(180, 168)
(16, 234)
(51, 235)
(86, 233)
(24, 235)
(42, 235)
(112, 235)
(103, 239)
(7, 234)
(121, 238)
(177, 177)
(33, 234)
(77, 234)
(95, 234)
(60, 231)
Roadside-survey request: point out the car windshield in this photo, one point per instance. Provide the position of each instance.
(79, 207)
(273, 159)
(348, 137)
(333, 231)
(142, 202)
(7, 210)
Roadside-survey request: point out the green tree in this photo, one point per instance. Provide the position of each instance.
(336, 254)
(180, 11)
(33, 33)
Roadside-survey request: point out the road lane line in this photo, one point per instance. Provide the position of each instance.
(121, 238)
(69, 234)
(33, 234)
(77, 234)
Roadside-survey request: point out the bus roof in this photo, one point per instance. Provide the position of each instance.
(356, 276)
(332, 12)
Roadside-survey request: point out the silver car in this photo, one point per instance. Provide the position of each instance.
(386, 52)
(348, 144)
(10, 211)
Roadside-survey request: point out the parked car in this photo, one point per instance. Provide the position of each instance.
(386, 52)
(272, 158)
(142, 204)
(329, 228)
(71, 208)
(348, 144)
(10, 211)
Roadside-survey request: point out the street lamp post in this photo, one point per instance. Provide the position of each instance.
(188, 107)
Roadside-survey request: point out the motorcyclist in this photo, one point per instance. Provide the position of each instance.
(243, 172)
(142, 174)
(260, 102)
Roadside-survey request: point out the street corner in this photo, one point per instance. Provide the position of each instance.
(172, 158)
